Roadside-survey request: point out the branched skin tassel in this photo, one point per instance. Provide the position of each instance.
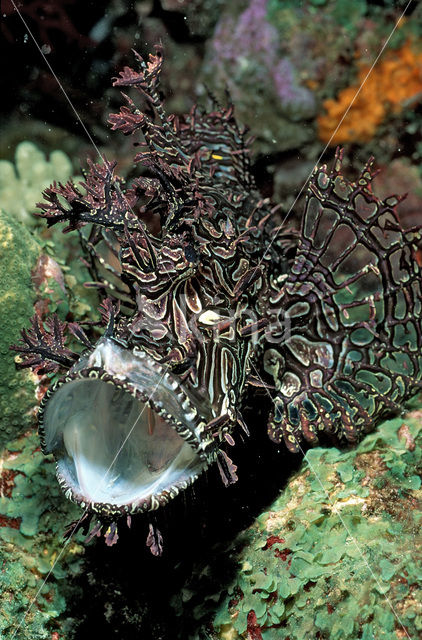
(203, 295)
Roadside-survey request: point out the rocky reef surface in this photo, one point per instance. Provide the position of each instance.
(32, 550)
(31, 280)
(337, 555)
(19, 252)
(33, 513)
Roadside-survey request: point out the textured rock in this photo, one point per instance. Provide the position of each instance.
(19, 252)
(337, 555)
(32, 514)
(244, 56)
(33, 511)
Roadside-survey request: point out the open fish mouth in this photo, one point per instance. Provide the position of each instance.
(125, 436)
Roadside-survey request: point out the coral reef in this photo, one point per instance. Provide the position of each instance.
(272, 54)
(31, 516)
(395, 82)
(22, 183)
(244, 56)
(317, 39)
(18, 255)
(336, 556)
(22, 268)
(31, 512)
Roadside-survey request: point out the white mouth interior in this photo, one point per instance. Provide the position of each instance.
(112, 447)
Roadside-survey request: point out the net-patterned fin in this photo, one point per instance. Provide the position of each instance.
(351, 349)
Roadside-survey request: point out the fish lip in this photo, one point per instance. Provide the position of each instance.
(193, 434)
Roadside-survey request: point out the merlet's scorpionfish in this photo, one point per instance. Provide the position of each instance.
(204, 295)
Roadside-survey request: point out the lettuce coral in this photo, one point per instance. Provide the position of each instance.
(391, 85)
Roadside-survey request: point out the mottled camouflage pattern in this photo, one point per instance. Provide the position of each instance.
(196, 275)
(188, 288)
(353, 299)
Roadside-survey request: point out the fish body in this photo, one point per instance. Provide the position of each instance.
(203, 295)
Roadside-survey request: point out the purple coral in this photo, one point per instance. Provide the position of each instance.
(246, 50)
(286, 88)
(253, 32)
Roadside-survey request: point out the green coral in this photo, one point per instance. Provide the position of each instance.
(338, 555)
(32, 513)
(22, 183)
(19, 252)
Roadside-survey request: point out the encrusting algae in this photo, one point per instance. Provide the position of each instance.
(31, 512)
(19, 252)
(393, 83)
(319, 563)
